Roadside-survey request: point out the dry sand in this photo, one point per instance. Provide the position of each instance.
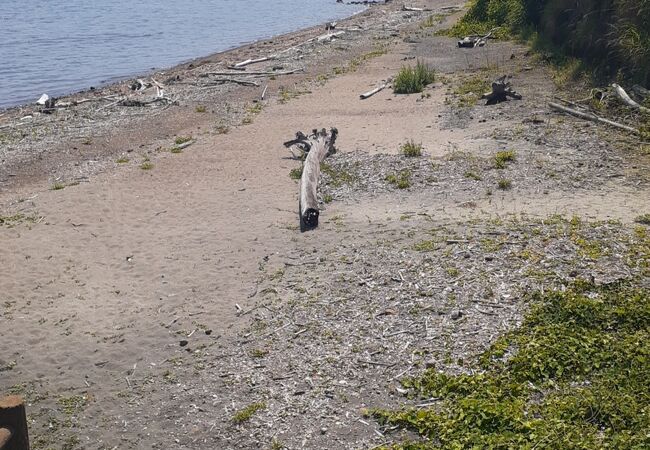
(120, 294)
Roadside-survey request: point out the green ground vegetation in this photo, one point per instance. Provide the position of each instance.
(611, 37)
(573, 376)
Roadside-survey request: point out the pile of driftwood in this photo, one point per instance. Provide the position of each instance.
(141, 98)
(315, 148)
(584, 113)
(475, 40)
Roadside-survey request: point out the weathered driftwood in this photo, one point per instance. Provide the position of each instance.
(375, 90)
(220, 81)
(329, 36)
(84, 100)
(317, 146)
(13, 424)
(141, 103)
(625, 98)
(501, 90)
(591, 117)
(268, 73)
(412, 8)
(242, 64)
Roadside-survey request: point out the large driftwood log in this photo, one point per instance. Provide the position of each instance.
(317, 146)
(501, 90)
(13, 424)
(621, 94)
(591, 117)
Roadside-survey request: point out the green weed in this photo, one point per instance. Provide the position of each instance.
(248, 412)
(401, 180)
(501, 159)
(411, 149)
(411, 80)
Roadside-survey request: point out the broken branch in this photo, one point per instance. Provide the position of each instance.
(591, 117)
(375, 90)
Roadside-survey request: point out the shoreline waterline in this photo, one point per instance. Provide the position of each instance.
(68, 73)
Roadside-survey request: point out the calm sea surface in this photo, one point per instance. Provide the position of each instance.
(62, 46)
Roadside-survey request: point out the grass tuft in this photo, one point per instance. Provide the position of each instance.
(501, 159)
(402, 180)
(411, 149)
(411, 80)
(246, 413)
(643, 219)
(296, 173)
(504, 184)
(182, 139)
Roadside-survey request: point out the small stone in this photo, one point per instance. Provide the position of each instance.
(183, 343)
(323, 430)
(456, 314)
(430, 364)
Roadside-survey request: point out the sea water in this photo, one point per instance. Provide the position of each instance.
(62, 46)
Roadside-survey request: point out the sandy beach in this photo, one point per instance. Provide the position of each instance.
(151, 295)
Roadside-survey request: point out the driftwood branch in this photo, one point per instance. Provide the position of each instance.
(591, 117)
(239, 65)
(413, 8)
(318, 146)
(625, 98)
(225, 74)
(220, 81)
(375, 90)
(140, 103)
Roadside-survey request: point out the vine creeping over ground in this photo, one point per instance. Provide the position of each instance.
(573, 376)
